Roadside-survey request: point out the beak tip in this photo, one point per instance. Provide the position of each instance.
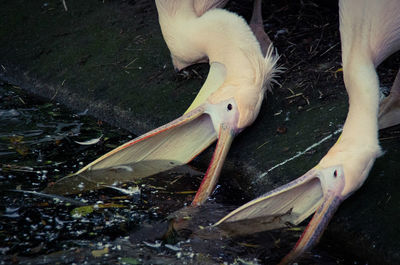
(315, 228)
(207, 186)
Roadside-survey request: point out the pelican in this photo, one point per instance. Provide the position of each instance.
(229, 100)
(183, 56)
(199, 7)
(370, 32)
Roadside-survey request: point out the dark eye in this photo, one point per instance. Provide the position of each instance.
(229, 107)
(335, 173)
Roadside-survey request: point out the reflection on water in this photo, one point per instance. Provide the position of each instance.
(46, 217)
(110, 177)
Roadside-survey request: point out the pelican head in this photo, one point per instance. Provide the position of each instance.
(231, 108)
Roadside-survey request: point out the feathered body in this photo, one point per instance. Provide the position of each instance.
(370, 32)
(223, 37)
(228, 101)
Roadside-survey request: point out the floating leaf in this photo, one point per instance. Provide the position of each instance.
(16, 139)
(47, 105)
(85, 210)
(186, 192)
(17, 142)
(82, 211)
(53, 114)
(21, 149)
(100, 252)
(249, 245)
(111, 205)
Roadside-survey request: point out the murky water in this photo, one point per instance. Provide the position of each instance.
(139, 222)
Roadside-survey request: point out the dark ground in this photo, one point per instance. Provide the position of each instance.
(141, 221)
(102, 56)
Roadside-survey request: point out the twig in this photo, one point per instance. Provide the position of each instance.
(175, 180)
(196, 73)
(291, 91)
(306, 99)
(294, 96)
(65, 5)
(55, 94)
(319, 41)
(329, 49)
(262, 145)
(297, 64)
(126, 66)
(388, 138)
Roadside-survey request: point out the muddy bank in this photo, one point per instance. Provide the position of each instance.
(109, 58)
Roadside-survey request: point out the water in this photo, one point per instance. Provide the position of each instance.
(143, 221)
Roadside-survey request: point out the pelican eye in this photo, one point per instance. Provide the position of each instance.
(335, 173)
(229, 107)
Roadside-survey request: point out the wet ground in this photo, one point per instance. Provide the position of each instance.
(98, 58)
(138, 222)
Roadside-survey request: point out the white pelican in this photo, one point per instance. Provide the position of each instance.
(190, 55)
(229, 100)
(370, 32)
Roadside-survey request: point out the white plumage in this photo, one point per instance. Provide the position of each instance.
(370, 32)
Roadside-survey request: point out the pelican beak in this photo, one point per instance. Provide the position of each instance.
(225, 138)
(332, 198)
(319, 191)
(173, 144)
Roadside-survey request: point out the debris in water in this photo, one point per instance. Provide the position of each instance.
(99, 253)
(91, 141)
(156, 244)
